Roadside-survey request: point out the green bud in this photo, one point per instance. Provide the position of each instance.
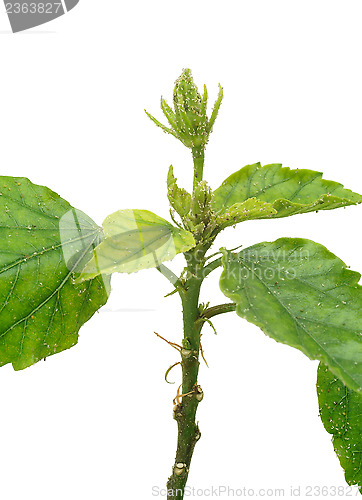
(191, 119)
(197, 229)
(186, 344)
(188, 121)
(188, 109)
(187, 94)
(201, 202)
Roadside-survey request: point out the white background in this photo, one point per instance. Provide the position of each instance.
(95, 422)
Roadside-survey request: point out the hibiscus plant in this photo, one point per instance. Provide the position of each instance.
(56, 265)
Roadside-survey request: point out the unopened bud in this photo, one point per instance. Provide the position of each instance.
(201, 203)
(188, 120)
(187, 102)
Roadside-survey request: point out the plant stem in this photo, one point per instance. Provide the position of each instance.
(185, 411)
(220, 309)
(212, 266)
(198, 156)
(187, 403)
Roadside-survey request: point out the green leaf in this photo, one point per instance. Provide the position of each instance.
(135, 240)
(216, 108)
(302, 295)
(161, 126)
(179, 198)
(43, 241)
(341, 414)
(290, 192)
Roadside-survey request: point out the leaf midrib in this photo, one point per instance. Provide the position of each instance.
(37, 254)
(148, 229)
(131, 257)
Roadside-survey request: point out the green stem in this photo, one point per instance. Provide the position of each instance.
(220, 309)
(212, 266)
(185, 410)
(198, 156)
